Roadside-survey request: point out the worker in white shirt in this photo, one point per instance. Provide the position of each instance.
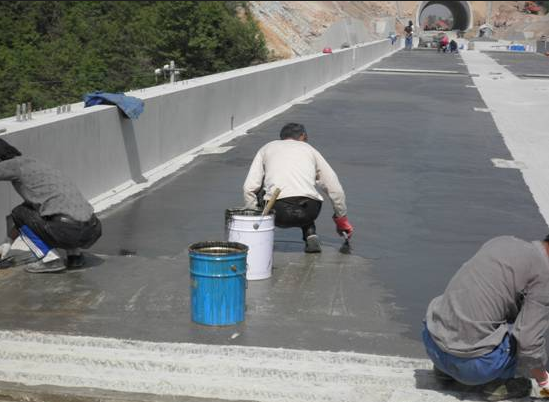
(295, 167)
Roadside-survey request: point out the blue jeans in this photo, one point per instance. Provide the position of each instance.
(408, 43)
(499, 363)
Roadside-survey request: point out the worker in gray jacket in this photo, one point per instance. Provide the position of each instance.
(490, 323)
(54, 215)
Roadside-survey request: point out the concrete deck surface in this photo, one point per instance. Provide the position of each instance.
(520, 63)
(414, 157)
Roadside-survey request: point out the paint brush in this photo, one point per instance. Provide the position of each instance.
(269, 205)
(346, 246)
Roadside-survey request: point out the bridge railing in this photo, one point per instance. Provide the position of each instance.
(102, 151)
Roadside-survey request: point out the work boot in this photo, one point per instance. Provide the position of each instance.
(75, 261)
(499, 390)
(40, 266)
(312, 244)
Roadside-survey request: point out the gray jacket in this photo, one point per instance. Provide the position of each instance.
(46, 188)
(506, 282)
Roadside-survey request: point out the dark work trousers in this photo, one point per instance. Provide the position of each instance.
(58, 231)
(298, 212)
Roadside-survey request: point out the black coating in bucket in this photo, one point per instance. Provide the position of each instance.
(218, 248)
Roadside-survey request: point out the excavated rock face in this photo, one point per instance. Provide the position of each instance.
(293, 28)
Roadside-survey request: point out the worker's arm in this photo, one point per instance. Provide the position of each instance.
(529, 331)
(9, 170)
(254, 180)
(329, 183)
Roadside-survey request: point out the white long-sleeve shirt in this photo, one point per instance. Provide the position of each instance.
(295, 167)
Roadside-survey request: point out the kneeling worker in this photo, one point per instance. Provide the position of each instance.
(54, 214)
(492, 319)
(294, 166)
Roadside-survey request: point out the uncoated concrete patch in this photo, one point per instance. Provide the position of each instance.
(213, 371)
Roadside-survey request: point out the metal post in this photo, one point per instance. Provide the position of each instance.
(172, 71)
(29, 110)
(18, 112)
(58, 109)
(24, 110)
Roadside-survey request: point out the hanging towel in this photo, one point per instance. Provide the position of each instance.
(132, 107)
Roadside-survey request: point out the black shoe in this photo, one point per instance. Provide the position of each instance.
(75, 261)
(40, 267)
(499, 390)
(312, 244)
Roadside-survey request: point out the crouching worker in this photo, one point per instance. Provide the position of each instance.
(294, 166)
(54, 216)
(490, 323)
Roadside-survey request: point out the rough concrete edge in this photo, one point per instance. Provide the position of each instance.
(15, 392)
(129, 188)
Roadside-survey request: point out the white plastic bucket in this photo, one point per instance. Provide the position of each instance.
(256, 232)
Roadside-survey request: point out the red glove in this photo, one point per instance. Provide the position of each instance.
(343, 225)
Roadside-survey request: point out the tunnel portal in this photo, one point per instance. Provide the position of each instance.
(461, 13)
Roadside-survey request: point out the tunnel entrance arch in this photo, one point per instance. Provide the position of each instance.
(462, 13)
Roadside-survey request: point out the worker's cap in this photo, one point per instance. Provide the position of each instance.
(7, 151)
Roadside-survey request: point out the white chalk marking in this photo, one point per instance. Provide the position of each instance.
(405, 70)
(507, 164)
(481, 109)
(215, 150)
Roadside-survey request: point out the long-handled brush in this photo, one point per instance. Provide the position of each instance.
(346, 246)
(269, 206)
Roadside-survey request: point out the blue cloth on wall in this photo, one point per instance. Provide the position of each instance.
(132, 107)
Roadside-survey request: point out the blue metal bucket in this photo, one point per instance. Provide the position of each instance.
(218, 282)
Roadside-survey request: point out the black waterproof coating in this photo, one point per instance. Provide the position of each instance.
(298, 212)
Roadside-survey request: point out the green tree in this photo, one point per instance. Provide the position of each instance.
(53, 52)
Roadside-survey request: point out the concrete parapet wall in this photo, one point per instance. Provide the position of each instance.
(101, 150)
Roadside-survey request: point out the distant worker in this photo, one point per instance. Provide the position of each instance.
(393, 38)
(409, 35)
(294, 166)
(443, 43)
(492, 319)
(453, 46)
(54, 214)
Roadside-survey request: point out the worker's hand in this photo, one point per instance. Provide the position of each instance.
(543, 384)
(343, 225)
